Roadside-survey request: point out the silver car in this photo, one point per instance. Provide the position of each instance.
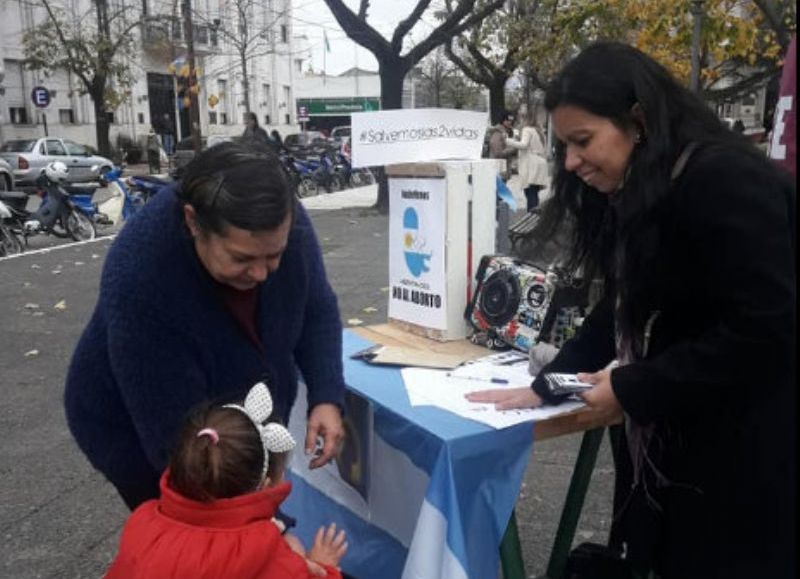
(29, 157)
(6, 176)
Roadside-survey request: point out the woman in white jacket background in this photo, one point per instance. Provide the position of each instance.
(533, 172)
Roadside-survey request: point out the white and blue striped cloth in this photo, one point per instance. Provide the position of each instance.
(436, 490)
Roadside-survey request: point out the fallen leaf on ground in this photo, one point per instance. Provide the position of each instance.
(31, 306)
(354, 322)
(78, 263)
(95, 256)
(370, 310)
(62, 305)
(30, 353)
(56, 271)
(36, 266)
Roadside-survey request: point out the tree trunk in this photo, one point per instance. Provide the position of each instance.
(245, 82)
(101, 124)
(392, 74)
(497, 99)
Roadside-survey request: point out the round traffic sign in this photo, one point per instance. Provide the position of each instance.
(40, 97)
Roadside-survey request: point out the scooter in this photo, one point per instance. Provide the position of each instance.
(57, 214)
(146, 185)
(10, 244)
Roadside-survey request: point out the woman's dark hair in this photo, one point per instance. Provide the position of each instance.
(251, 117)
(203, 470)
(240, 184)
(630, 89)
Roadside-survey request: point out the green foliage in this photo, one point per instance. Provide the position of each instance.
(88, 45)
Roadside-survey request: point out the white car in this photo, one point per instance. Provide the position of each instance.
(6, 176)
(29, 157)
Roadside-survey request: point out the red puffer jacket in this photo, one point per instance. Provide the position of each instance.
(175, 537)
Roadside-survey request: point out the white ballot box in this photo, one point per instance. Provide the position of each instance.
(441, 222)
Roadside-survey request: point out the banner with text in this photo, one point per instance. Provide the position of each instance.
(417, 225)
(413, 135)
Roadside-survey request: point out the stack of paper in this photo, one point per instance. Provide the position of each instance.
(447, 390)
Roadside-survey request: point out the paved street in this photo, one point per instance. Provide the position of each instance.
(61, 520)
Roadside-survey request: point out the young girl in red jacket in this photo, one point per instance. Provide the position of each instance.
(219, 495)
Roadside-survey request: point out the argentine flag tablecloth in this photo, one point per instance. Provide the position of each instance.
(421, 493)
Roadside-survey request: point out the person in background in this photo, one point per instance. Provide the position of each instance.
(153, 151)
(498, 148)
(219, 496)
(738, 126)
(218, 284)
(532, 163)
(692, 343)
(254, 131)
(167, 134)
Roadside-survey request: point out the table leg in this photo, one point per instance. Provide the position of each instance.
(511, 551)
(571, 512)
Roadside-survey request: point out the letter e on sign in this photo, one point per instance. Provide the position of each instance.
(40, 97)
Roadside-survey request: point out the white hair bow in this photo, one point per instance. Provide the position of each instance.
(258, 407)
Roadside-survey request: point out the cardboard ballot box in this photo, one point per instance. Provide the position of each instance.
(441, 221)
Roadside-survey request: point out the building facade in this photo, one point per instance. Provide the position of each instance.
(228, 36)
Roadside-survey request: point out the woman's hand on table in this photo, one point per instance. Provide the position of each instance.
(507, 398)
(325, 421)
(601, 401)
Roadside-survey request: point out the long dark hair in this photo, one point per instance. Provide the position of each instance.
(630, 89)
(239, 184)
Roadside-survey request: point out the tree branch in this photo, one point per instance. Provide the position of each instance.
(358, 29)
(406, 25)
(451, 27)
(477, 76)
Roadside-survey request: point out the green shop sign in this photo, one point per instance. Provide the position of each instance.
(341, 106)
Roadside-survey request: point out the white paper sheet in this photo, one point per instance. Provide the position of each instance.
(446, 390)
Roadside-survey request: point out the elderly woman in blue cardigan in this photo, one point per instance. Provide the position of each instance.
(216, 284)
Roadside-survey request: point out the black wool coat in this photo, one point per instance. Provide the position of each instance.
(717, 385)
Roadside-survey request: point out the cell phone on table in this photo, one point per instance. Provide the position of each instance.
(560, 384)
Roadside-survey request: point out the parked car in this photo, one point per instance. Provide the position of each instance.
(6, 176)
(306, 140)
(341, 134)
(28, 158)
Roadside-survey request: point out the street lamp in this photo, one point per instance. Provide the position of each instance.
(696, 9)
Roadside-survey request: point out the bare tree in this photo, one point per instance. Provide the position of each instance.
(392, 64)
(87, 45)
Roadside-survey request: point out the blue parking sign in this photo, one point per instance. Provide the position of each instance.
(40, 97)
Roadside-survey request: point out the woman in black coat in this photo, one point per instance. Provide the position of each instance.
(693, 232)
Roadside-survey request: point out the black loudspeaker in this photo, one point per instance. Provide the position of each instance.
(511, 300)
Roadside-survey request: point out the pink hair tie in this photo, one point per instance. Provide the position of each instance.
(211, 433)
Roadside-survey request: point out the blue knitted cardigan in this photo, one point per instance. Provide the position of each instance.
(161, 341)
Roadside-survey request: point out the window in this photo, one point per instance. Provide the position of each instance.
(141, 118)
(110, 117)
(177, 29)
(54, 147)
(266, 94)
(212, 117)
(288, 120)
(66, 116)
(75, 149)
(201, 34)
(284, 33)
(213, 36)
(266, 119)
(18, 115)
(223, 118)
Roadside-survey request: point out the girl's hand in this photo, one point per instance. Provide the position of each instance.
(507, 398)
(603, 404)
(329, 546)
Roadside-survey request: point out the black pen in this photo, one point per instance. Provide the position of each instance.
(491, 380)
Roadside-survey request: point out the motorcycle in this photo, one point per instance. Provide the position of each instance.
(146, 185)
(10, 243)
(57, 214)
